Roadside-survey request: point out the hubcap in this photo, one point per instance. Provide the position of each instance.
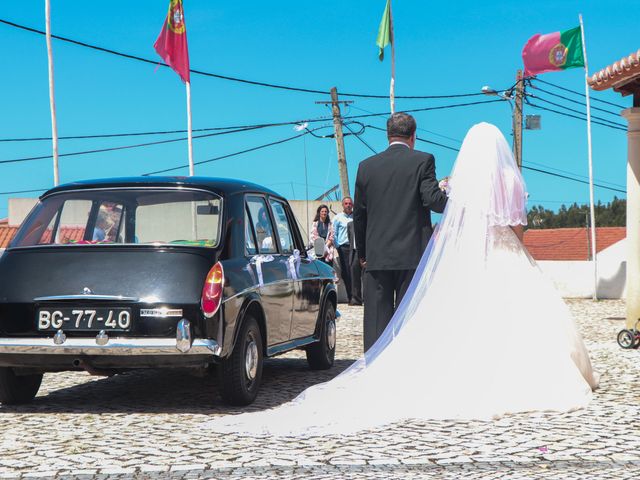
(331, 334)
(251, 360)
(626, 340)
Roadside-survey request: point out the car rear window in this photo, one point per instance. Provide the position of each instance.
(124, 216)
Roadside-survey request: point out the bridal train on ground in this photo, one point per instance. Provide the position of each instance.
(479, 334)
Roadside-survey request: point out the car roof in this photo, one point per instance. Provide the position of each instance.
(222, 186)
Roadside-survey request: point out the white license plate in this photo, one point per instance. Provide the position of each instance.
(84, 319)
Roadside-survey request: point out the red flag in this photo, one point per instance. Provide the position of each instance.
(171, 44)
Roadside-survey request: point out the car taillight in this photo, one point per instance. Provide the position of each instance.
(212, 291)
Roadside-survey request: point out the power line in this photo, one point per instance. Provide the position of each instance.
(360, 138)
(25, 191)
(574, 174)
(573, 179)
(576, 93)
(229, 78)
(574, 116)
(546, 172)
(229, 155)
(418, 128)
(577, 111)
(167, 132)
(419, 139)
(124, 147)
(240, 127)
(574, 101)
(253, 127)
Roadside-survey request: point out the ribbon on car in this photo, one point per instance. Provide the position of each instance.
(258, 260)
(293, 264)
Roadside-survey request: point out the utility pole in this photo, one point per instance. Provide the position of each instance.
(517, 120)
(337, 126)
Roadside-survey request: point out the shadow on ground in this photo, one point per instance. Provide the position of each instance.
(170, 390)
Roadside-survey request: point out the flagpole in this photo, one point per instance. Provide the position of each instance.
(392, 86)
(189, 129)
(593, 213)
(52, 103)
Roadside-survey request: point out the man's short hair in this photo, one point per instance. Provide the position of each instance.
(401, 125)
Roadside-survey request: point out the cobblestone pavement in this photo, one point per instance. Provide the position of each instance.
(147, 424)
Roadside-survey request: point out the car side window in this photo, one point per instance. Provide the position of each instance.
(261, 223)
(249, 241)
(282, 224)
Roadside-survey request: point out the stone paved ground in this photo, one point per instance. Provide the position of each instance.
(148, 425)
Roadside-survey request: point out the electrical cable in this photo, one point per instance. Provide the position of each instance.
(124, 147)
(576, 111)
(526, 167)
(576, 93)
(535, 87)
(361, 139)
(228, 155)
(229, 78)
(575, 116)
(25, 191)
(248, 127)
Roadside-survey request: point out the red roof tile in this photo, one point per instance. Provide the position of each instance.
(69, 234)
(6, 234)
(569, 243)
(619, 74)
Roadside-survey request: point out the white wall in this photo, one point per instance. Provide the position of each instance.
(574, 279)
(19, 208)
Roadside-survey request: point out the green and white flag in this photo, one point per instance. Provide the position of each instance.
(385, 37)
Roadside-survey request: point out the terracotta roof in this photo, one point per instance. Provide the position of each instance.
(623, 75)
(6, 234)
(73, 234)
(569, 243)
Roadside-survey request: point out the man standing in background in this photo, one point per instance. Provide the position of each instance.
(340, 231)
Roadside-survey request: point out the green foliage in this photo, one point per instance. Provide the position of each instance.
(613, 214)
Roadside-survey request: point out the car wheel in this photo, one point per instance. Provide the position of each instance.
(17, 389)
(321, 354)
(626, 338)
(241, 372)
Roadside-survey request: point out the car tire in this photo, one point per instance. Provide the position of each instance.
(240, 374)
(321, 354)
(17, 389)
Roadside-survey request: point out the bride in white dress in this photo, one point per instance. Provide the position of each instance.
(479, 334)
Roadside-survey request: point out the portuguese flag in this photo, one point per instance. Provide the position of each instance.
(553, 51)
(171, 44)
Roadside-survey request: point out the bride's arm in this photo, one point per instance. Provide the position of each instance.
(519, 231)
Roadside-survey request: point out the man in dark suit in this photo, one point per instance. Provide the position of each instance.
(356, 269)
(396, 190)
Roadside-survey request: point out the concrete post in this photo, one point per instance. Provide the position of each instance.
(633, 215)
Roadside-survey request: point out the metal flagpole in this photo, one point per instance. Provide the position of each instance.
(52, 102)
(593, 213)
(392, 86)
(189, 129)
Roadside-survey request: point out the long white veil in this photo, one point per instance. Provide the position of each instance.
(408, 372)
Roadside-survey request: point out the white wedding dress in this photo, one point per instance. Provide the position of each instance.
(479, 334)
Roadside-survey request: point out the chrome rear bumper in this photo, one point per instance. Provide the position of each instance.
(114, 346)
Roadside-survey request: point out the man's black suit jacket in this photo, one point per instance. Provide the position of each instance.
(396, 190)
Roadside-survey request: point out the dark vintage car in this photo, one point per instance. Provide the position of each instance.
(154, 272)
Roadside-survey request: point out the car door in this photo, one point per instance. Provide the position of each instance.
(306, 301)
(270, 268)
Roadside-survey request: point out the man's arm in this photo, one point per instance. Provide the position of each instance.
(432, 197)
(360, 216)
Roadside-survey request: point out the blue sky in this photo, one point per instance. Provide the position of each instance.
(442, 48)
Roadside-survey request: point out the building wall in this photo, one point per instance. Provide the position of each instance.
(574, 279)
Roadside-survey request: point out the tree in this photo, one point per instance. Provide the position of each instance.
(613, 214)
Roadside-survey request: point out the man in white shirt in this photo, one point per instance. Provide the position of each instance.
(341, 240)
